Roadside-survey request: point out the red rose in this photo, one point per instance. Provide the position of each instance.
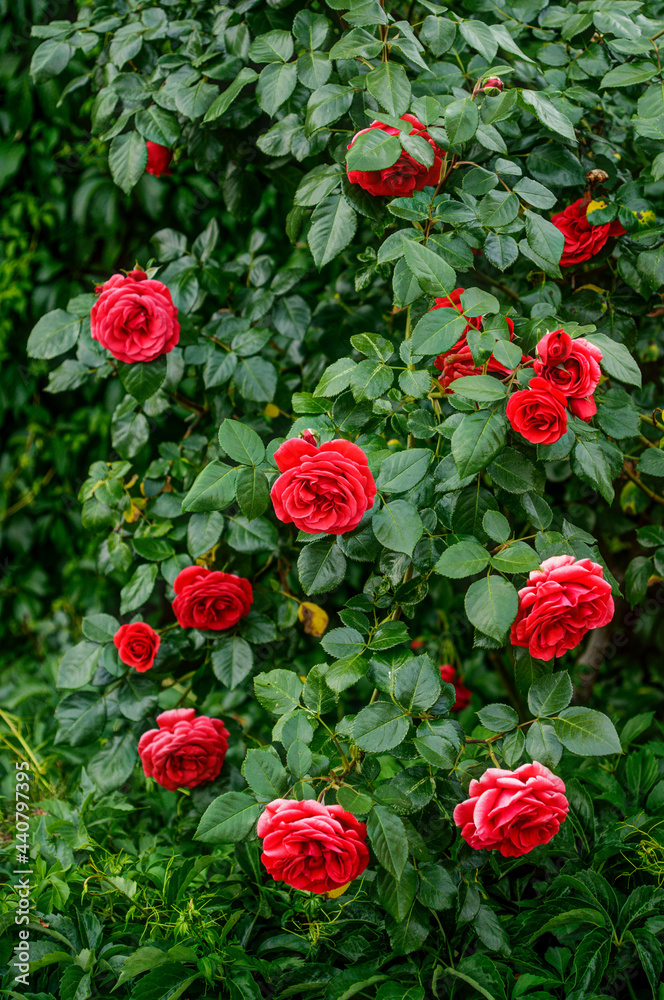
(572, 366)
(324, 490)
(463, 695)
(404, 176)
(582, 241)
(538, 412)
(208, 599)
(563, 599)
(159, 159)
(134, 318)
(137, 645)
(512, 811)
(184, 751)
(458, 361)
(312, 846)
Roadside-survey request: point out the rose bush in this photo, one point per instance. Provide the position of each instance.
(289, 496)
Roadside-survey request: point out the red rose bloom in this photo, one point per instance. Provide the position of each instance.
(324, 490)
(463, 695)
(458, 361)
(538, 412)
(159, 159)
(582, 241)
(137, 645)
(312, 846)
(404, 176)
(512, 811)
(572, 366)
(184, 751)
(208, 599)
(134, 318)
(563, 599)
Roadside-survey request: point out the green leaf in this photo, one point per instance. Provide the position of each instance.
(501, 251)
(370, 379)
(417, 684)
(463, 559)
(53, 334)
(152, 549)
(480, 37)
(590, 464)
(168, 982)
(434, 275)
(327, 105)
(373, 150)
(127, 159)
(158, 125)
(78, 665)
(397, 895)
(477, 440)
(534, 193)
(651, 462)
(480, 388)
(388, 839)
(241, 443)
(114, 763)
(299, 758)
(438, 34)
(321, 566)
(438, 742)
(232, 661)
(379, 727)
(437, 890)
(629, 74)
(258, 535)
(340, 642)
(491, 605)
(398, 526)
(275, 85)
(550, 694)
(335, 378)
(228, 819)
(347, 671)
(498, 718)
(317, 695)
(253, 492)
(137, 591)
(461, 120)
(545, 243)
(278, 690)
(516, 558)
(213, 489)
(333, 226)
(49, 59)
(403, 470)
(498, 208)
(437, 331)
(143, 379)
(617, 360)
(389, 84)
(586, 732)
(272, 47)
(544, 109)
(543, 745)
(256, 379)
(100, 628)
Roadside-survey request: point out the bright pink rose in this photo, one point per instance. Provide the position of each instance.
(582, 241)
(137, 645)
(311, 846)
(563, 599)
(134, 318)
(463, 695)
(208, 599)
(512, 811)
(572, 366)
(538, 412)
(184, 751)
(404, 176)
(159, 159)
(324, 490)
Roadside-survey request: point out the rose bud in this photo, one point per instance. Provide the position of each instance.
(493, 85)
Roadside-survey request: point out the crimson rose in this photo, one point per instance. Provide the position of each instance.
(463, 695)
(137, 645)
(538, 412)
(324, 490)
(582, 241)
(208, 599)
(159, 159)
(134, 318)
(563, 599)
(572, 366)
(512, 811)
(312, 846)
(184, 751)
(404, 176)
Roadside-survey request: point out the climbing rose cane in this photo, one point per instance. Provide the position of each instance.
(312, 846)
(324, 490)
(209, 599)
(137, 645)
(563, 600)
(134, 318)
(512, 811)
(184, 751)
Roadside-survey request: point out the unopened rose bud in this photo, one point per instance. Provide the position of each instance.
(310, 437)
(493, 85)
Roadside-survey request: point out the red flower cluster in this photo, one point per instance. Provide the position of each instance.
(463, 695)
(134, 318)
(137, 645)
(563, 600)
(208, 599)
(184, 751)
(404, 176)
(458, 361)
(159, 159)
(582, 241)
(512, 811)
(572, 366)
(312, 846)
(324, 490)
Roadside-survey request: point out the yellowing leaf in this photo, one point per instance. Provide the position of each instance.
(271, 410)
(333, 893)
(315, 619)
